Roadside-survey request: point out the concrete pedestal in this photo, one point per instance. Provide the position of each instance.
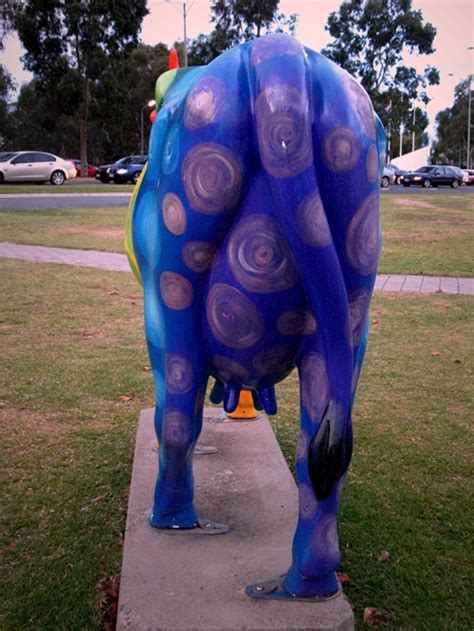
(197, 582)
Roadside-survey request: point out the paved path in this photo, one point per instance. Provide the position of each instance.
(43, 201)
(115, 262)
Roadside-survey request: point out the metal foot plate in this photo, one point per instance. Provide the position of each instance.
(203, 527)
(273, 589)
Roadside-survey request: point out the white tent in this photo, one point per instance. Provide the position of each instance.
(413, 160)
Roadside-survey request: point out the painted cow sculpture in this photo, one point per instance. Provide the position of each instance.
(255, 232)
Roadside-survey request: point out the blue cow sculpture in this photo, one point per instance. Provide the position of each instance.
(255, 232)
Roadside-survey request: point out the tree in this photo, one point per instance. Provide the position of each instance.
(451, 127)
(7, 17)
(370, 37)
(6, 87)
(238, 21)
(70, 46)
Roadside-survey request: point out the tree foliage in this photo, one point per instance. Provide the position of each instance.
(70, 46)
(47, 120)
(238, 21)
(451, 124)
(370, 38)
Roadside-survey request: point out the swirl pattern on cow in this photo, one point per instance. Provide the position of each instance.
(229, 369)
(314, 385)
(259, 256)
(307, 502)
(357, 95)
(284, 136)
(198, 255)
(176, 432)
(372, 164)
(176, 290)
(179, 373)
(279, 358)
(174, 215)
(234, 320)
(311, 222)
(341, 149)
(358, 309)
(325, 543)
(297, 322)
(277, 44)
(204, 103)
(212, 178)
(362, 239)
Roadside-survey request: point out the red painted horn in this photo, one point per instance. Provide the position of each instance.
(173, 62)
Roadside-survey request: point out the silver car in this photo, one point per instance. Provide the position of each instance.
(34, 166)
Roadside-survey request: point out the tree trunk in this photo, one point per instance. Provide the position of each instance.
(83, 124)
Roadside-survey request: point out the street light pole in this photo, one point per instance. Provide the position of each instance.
(468, 159)
(185, 15)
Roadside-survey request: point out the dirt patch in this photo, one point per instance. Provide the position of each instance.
(26, 421)
(89, 334)
(412, 203)
(104, 233)
(438, 219)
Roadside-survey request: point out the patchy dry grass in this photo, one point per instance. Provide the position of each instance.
(71, 186)
(74, 379)
(423, 234)
(428, 234)
(83, 228)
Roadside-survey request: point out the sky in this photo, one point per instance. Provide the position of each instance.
(454, 20)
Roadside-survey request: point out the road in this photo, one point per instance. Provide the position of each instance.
(42, 201)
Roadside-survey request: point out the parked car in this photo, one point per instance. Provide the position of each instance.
(470, 176)
(397, 172)
(387, 178)
(126, 169)
(35, 166)
(432, 176)
(461, 174)
(91, 170)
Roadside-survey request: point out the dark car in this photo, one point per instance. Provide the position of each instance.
(432, 176)
(126, 169)
(396, 171)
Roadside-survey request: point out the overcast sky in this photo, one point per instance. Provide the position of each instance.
(454, 20)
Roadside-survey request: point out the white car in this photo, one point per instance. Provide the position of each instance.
(35, 166)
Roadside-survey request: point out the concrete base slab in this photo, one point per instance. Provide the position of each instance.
(196, 582)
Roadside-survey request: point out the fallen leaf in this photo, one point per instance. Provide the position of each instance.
(435, 353)
(375, 321)
(457, 361)
(113, 293)
(344, 578)
(124, 399)
(147, 368)
(384, 557)
(375, 616)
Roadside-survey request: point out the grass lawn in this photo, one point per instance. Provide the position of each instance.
(428, 234)
(75, 377)
(69, 186)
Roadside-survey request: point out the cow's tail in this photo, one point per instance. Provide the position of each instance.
(129, 248)
(284, 117)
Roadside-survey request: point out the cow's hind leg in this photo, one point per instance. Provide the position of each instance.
(325, 193)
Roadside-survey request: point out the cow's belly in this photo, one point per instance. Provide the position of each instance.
(256, 314)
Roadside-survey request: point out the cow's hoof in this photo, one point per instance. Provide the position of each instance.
(274, 589)
(202, 527)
